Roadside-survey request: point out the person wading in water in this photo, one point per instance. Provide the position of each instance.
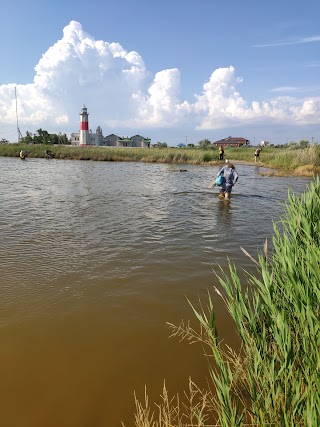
(230, 177)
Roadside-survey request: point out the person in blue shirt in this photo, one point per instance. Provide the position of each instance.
(230, 177)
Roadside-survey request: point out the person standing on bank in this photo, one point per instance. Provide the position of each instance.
(257, 154)
(221, 152)
(230, 177)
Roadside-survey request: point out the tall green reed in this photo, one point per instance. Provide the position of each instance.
(274, 378)
(278, 157)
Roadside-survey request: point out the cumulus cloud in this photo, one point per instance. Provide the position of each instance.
(121, 93)
(219, 100)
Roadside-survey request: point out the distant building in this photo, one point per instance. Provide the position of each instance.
(134, 141)
(93, 139)
(231, 142)
(265, 144)
(85, 136)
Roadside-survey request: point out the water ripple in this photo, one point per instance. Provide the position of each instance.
(71, 229)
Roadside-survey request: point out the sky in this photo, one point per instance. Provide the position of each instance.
(175, 71)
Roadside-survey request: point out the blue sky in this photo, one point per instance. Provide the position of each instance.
(175, 71)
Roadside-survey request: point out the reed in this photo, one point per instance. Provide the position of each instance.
(11, 150)
(153, 155)
(273, 380)
(303, 162)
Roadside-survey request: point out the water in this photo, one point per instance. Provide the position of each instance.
(95, 258)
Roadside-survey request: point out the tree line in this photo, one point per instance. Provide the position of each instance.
(41, 137)
(44, 137)
(205, 144)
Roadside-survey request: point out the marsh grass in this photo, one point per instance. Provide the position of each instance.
(293, 159)
(152, 155)
(274, 379)
(300, 162)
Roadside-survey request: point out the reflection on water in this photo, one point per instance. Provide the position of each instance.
(94, 259)
(225, 214)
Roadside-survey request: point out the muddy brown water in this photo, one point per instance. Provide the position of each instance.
(95, 258)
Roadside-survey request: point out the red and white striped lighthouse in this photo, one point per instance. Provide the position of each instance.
(84, 127)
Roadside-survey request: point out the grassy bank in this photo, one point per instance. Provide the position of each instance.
(300, 162)
(273, 380)
(303, 162)
(152, 155)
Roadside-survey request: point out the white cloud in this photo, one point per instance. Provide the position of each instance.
(160, 105)
(301, 40)
(284, 89)
(219, 100)
(120, 93)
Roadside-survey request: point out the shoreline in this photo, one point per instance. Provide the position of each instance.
(281, 163)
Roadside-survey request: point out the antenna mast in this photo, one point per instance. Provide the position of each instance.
(18, 130)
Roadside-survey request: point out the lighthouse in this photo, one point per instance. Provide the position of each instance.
(84, 137)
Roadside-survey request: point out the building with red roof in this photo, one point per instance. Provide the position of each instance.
(231, 142)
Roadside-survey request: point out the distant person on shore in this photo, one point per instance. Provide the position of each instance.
(230, 177)
(257, 154)
(221, 152)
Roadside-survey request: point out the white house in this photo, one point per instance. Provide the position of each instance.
(133, 141)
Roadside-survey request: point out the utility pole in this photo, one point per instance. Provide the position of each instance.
(18, 130)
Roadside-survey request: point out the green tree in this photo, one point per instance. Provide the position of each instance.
(204, 144)
(303, 143)
(53, 138)
(28, 139)
(63, 139)
(43, 137)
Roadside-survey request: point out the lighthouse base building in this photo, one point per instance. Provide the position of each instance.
(94, 139)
